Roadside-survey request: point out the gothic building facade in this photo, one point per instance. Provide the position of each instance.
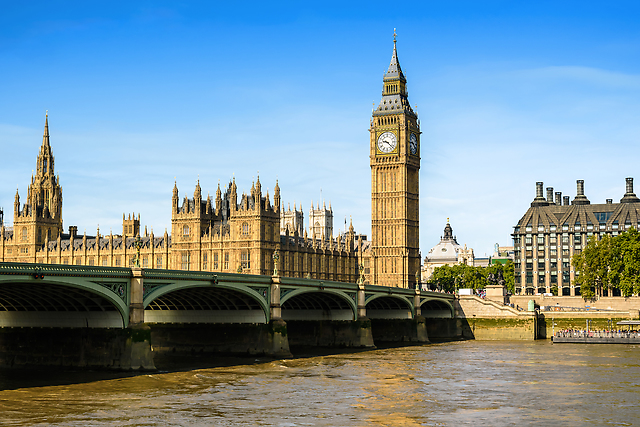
(247, 233)
(225, 234)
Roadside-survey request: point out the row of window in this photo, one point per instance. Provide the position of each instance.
(186, 261)
(577, 227)
(245, 229)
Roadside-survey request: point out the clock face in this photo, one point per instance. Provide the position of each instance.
(413, 143)
(387, 142)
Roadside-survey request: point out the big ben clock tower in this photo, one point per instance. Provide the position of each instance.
(395, 165)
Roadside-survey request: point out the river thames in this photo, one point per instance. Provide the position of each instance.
(461, 383)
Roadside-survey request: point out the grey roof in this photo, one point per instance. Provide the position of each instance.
(394, 72)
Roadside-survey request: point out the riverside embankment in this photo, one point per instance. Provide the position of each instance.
(486, 319)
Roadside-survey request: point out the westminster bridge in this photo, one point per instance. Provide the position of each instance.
(122, 317)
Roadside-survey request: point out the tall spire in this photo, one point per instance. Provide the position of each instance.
(394, 72)
(45, 136)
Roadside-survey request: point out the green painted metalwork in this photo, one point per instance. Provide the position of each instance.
(98, 280)
(447, 301)
(290, 287)
(113, 284)
(162, 282)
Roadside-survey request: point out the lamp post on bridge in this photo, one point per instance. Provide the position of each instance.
(276, 257)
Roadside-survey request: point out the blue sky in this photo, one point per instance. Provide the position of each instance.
(508, 93)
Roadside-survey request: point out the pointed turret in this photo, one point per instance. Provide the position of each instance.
(197, 194)
(276, 197)
(16, 205)
(234, 195)
(258, 189)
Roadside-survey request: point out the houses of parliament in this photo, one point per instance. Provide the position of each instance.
(248, 233)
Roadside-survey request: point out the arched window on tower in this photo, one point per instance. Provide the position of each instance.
(25, 234)
(245, 229)
(185, 230)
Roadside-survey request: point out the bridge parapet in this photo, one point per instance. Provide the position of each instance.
(8, 268)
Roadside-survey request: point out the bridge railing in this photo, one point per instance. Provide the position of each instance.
(63, 270)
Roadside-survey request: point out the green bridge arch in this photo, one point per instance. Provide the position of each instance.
(110, 284)
(164, 283)
(288, 294)
(439, 303)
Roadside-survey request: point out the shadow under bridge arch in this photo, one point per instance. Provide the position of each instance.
(63, 303)
(388, 307)
(436, 308)
(314, 304)
(205, 303)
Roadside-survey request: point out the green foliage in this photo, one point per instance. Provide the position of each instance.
(452, 277)
(609, 262)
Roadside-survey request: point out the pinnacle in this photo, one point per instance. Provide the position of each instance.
(394, 71)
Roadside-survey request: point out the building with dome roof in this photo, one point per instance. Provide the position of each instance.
(447, 252)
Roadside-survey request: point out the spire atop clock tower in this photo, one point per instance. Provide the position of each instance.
(394, 71)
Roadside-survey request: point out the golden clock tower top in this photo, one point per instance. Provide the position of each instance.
(394, 89)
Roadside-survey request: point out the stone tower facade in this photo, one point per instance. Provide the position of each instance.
(321, 221)
(292, 220)
(395, 164)
(227, 236)
(40, 218)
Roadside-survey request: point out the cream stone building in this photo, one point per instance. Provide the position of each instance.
(446, 252)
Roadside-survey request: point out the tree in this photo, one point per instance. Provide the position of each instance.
(452, 277)
(592, 266)
(625, 262)
(611, 262)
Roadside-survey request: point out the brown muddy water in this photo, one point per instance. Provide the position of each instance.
(450, 384)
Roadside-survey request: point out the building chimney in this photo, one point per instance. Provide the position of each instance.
(580, 199)
(73, 230)
(609, 201)
(565, 200)
(558, 198)
(539, 200)
(550, 195)
(629, 196)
